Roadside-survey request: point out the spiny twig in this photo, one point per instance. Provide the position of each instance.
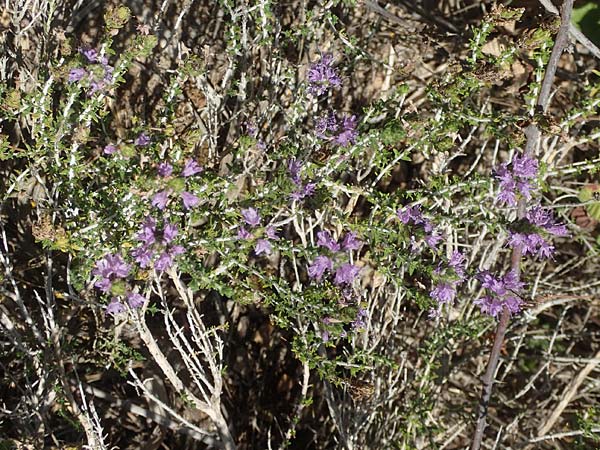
(532, 132)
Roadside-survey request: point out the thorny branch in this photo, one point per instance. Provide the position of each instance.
(532, 132)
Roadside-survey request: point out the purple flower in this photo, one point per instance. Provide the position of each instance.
(324, 239)
(190, 168)
(164, 262)
(142, 140)
(169, 232)
(271, 233)
(433, 240)
(189, 200)
(410, 214)
(305, 191)
(115, 307)
(294, 167)
(359, 322)
(512, 282)
(147, 233)
(348, 134)
(143, 255)
(507, 196)
(524, 166)
(322, 75)
(160, 200)
(110, 268)
(251, 216)
(110, 149)
(243, 234)
(326, 124)
(545, 219)
(457, 262)
(489, 305)
(503, 293)
(76, 74)
(135, 300)
(263, 246)
(90, 54)
(346, 273)
(165, 169)
(350, 242)
(443, 293)
(319, 266)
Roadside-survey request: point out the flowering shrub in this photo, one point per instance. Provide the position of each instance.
(254, 214)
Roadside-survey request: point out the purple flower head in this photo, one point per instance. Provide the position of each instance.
(243, 234)
(326, 124)
(322, 76)
(135, 300)
(539, 216)
(348, 134)
(513, 303)
(512, 282)
(433, 240)
(350, 242)
(142, 140)
(319, 266)
(324, 239)
(160, 200)
(359, 321)
(251, 216)
(524, 166)
(110, 268)
(110, 149)
(271, 233)
(263, 246)
(147, 234)
(294, 168)
(169, 232)
(90, 54)
(305, 191)
(191, 167)
(76, 74)
(96, 86)
(164, 262)
(457, 261)
(545, 250)
(544, 218)
(115, 307)
(189, 200)
(410, 214)
(165, 169)
(143, 256)
(346, 273)
(507, 196)
(525, 188)
(492, 306)
(176, 250)
(443, 293)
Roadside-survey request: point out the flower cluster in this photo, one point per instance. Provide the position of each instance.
(444, 291)
(516, 179)
(113, 270)
(157, 247)
(322, 76)
(342, 133)
(503, 293)
(252, 219)
(96, 76)
(412, 215)
(302, 190)
(177, 185)
(533, 242)
(346, 272)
